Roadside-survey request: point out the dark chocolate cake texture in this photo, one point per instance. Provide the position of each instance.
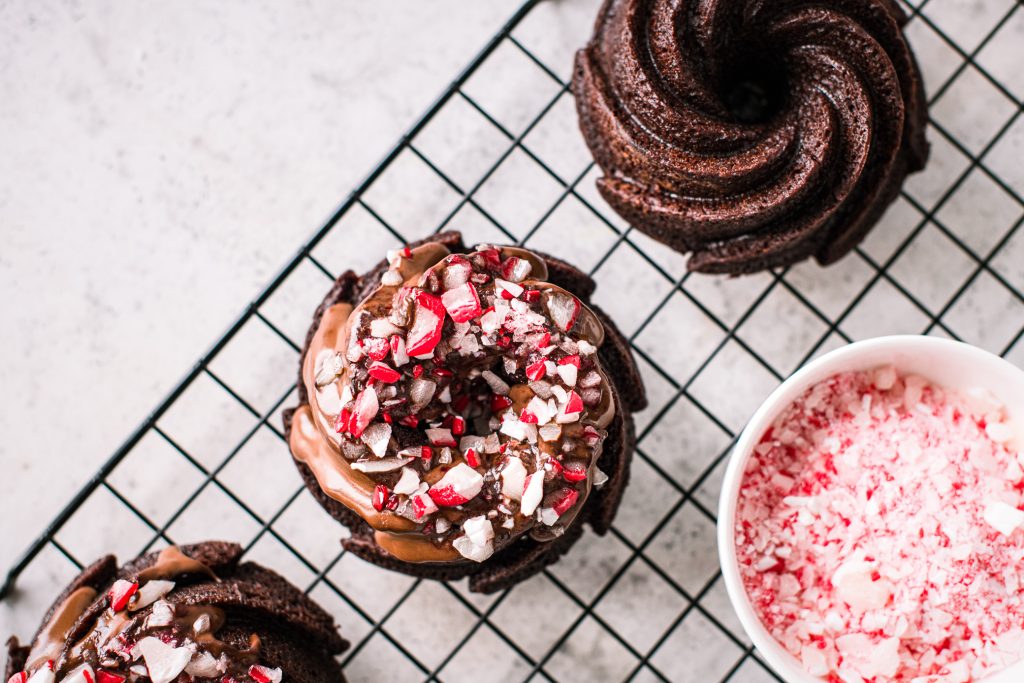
(464, 412)
(188, 615)
(751, 134)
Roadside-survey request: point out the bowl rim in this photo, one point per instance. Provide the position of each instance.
(777, 657)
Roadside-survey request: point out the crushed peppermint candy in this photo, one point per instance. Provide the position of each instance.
(492, 376)
(880, 534)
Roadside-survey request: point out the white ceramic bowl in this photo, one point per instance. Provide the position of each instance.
(947, 363)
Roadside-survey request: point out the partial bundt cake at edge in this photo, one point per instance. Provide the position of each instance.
(194, 613)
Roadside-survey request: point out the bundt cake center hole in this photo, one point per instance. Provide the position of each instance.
(755, 93)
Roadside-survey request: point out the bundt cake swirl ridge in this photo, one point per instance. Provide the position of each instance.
(751, 134)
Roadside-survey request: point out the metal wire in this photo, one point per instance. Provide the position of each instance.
(681, 388)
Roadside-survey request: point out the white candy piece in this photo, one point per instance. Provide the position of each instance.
(408, 482)
(463, 480)
(549, 516)
(1003, 518)
(550, 432)
(854, 586)
(203, 664)
(81, 674)
(497, 384)
(568, 373)
(478, 530)
(1000, 432)
(477, 542)
(329, 365)
(391, 278)
(382, 328)
(520, 431)
(161, 615)
(440, 436)
(541, 409)
(532, 493)
(377, 436)
(382, 465)
(513, 478)
(163, 661)
(44, 675)
(884, 377)
(150, 592)
(201, 624)
(814, 660)
(328, 399)
(868, 658)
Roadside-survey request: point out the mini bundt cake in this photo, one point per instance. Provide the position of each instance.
(751, 134)
(464, 411)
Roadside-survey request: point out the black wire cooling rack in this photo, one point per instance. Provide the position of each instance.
(499, 157)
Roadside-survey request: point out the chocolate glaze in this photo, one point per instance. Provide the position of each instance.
(314, 440)
(171, 562)
(751, 134)
(532, 551)
(51, 638)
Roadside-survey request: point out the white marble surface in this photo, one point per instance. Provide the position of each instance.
(134, 231)
(161, 160)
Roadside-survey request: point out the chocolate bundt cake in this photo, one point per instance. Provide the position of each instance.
(190, 614)
(751, 134)
(465, 412)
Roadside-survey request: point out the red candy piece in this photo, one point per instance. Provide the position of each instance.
(427, 322)
(380, 496)
(574, 404)
(458, 426)
(563, 309)
(342, 422)
(462, 303)
(264, 674)
(566, 499)
(536, 371)
(363, 411)
(500, 403)
(447, 497)
(375, 348)
(121, 593)
(574, 471)
(384, 372)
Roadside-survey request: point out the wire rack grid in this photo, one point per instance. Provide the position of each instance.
(498, 156)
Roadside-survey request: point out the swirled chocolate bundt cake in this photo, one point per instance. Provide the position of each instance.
(465, 411)
(190, 614)
(751, 134)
